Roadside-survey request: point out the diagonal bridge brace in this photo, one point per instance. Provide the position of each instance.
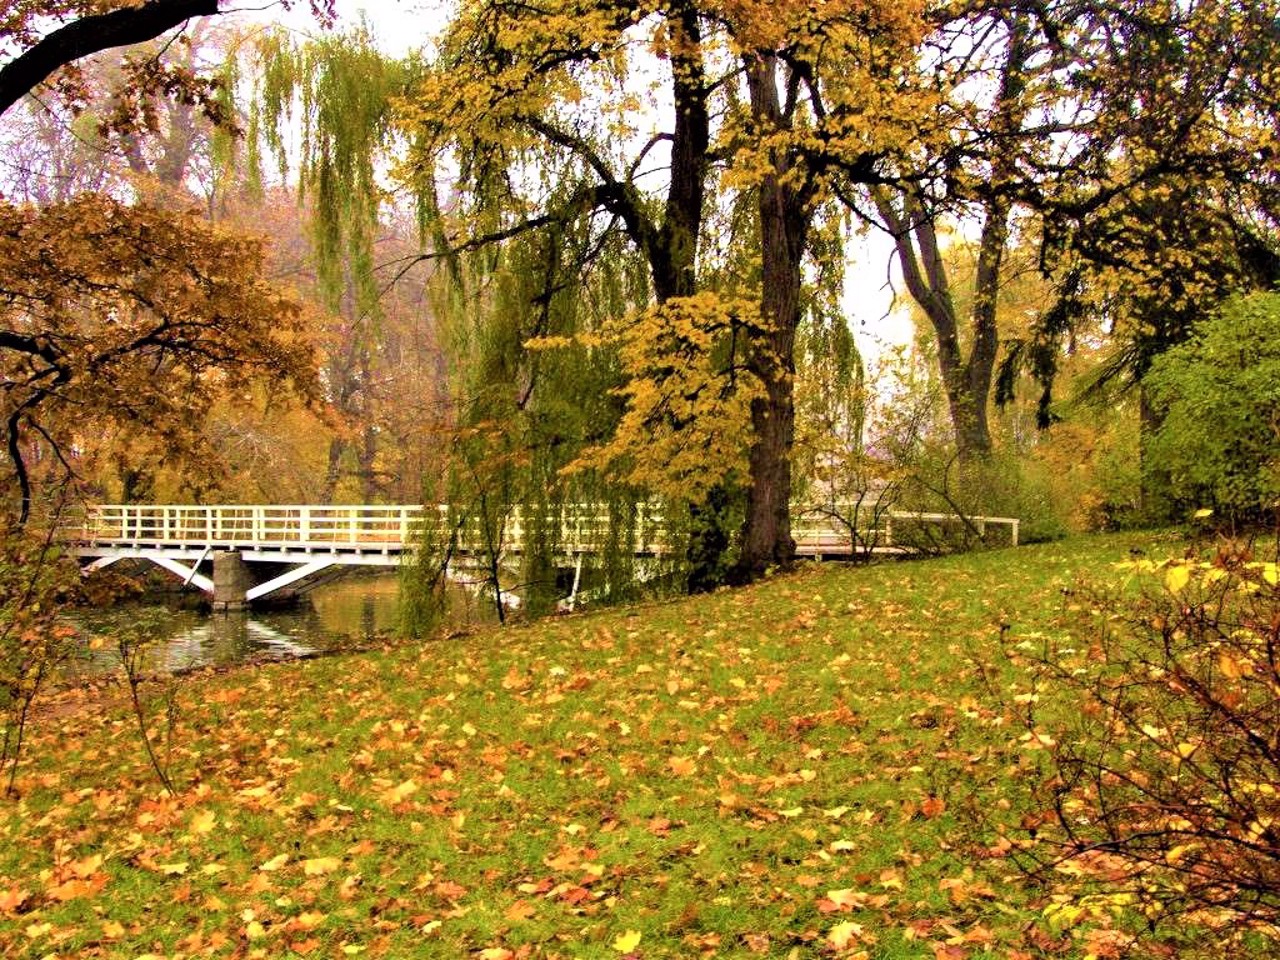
(189, 574)
(286, 578)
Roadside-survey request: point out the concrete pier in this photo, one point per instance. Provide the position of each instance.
(231, 581)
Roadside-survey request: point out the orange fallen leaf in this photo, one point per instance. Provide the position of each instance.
(75, 889)
(11, 900)
(520, 910)
(87, 867)
(933, 807)
(682, 766)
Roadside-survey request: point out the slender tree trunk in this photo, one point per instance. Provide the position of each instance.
(1153, 485)
(966, 380)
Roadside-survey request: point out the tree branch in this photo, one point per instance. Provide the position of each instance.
(93, 34)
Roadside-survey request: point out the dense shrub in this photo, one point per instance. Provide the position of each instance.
(1218, 400)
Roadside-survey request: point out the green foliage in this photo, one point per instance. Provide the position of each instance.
(340, 89)
(1218, 397)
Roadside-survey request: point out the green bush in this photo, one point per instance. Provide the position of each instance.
(1218, 399)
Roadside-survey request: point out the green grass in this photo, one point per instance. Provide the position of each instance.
(703, 772)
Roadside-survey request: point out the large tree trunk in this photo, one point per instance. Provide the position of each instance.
(784, 221)
(966, 380)
(673, 261)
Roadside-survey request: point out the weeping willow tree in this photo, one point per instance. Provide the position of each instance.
(516, 416)
(320, 111)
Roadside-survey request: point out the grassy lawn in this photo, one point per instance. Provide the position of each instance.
(813, 767)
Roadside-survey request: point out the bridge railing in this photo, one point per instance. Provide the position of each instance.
(583, 527)
(252, 525)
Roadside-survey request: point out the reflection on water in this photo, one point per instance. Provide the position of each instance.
(334, 615)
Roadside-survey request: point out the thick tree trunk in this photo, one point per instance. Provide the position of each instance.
(784, 221)
(673, 261)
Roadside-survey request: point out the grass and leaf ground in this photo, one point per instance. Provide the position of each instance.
(817, 766)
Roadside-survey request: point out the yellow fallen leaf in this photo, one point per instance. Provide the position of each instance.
(274, 864)
(846, 897)
(87, 867)
(627, 942)
(319, 866)
(203, 821)
(682, 766)
(496, 953)
(399, 794)
(843, 934)
(253, 930)
(172, 869)
(111, 930)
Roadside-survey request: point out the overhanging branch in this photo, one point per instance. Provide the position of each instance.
(93, 34)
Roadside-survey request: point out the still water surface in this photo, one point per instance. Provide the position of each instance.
(333, 616)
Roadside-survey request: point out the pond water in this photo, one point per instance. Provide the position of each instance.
(334, 616)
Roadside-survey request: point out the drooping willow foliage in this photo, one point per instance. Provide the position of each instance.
(336, 93)
(528, 308)
(533, 385)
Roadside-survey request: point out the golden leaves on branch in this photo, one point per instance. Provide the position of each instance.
(132, 317)
(686, 427)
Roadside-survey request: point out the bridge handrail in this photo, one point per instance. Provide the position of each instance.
(396, 527)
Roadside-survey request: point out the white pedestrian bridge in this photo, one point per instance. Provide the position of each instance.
(309, 539)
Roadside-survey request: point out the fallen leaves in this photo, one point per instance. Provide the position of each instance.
(682, 766)
(548, 789)
(319, 866)
(627, 942)
(400, 793)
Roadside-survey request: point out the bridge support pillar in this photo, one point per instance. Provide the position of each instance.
(231, 581)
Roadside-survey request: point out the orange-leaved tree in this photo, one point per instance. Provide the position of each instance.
(117, 315)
